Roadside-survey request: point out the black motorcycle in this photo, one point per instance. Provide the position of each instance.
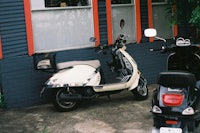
(176, 100)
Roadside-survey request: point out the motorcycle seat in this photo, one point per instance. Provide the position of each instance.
(94, 63)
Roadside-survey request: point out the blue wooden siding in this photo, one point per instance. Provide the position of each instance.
(144, 17)
(102, 21)
(22, 84)
(12, 28)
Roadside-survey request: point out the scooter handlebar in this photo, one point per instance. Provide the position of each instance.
(100, 48)
(162, 49)
(151, 49)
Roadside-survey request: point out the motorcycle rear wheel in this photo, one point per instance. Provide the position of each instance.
(61, 105)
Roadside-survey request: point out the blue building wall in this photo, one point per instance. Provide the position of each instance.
(21, 84)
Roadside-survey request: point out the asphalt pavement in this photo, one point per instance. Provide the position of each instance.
(120, 114)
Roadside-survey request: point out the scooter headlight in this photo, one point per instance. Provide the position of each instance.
(156, 109)
(188, 111)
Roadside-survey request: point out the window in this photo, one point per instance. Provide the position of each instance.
(121, 1)
(65, 3)
(57, 28)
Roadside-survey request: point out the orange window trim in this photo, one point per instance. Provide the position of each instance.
(138, 21)
(96, 21)
(29, 30)
(150, 17)
(109, 21)
(1, 53)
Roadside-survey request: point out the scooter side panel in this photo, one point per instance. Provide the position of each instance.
(78, 75)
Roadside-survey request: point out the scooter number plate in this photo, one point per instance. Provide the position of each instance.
(170, 130)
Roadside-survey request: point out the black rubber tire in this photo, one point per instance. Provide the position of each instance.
(64, 106)
(141, 91)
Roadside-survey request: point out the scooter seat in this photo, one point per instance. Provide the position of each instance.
(93, 63)
(176, 79)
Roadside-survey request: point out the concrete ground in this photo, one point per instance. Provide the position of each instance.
(121, 114)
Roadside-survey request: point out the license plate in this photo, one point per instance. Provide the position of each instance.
(170, 130)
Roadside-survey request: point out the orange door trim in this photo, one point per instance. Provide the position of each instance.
(175, 30)
(109, 21)
(150, 18)
(96, 21)
(138, 21)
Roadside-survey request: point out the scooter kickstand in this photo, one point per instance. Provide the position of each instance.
(109, 97)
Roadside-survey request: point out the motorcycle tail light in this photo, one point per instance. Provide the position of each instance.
(156, 109)
(188, 111)
(172, 99)
(171, 122)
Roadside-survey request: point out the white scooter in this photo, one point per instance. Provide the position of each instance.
(75, 81)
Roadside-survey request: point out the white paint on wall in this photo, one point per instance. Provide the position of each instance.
(161, 21)
(126, 12)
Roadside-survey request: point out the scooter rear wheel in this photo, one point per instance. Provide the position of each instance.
(64, 105)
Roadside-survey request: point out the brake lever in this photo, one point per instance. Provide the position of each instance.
(101, 48)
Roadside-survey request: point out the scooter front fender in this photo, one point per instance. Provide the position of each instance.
(136, 81)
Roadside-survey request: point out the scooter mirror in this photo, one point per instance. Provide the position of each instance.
(93, 39)
(150, 32)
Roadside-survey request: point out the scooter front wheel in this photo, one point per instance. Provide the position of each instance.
(64, 105)
(141, 91)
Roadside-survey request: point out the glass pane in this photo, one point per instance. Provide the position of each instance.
(158, 0)
(120, 1)
(65, 3)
